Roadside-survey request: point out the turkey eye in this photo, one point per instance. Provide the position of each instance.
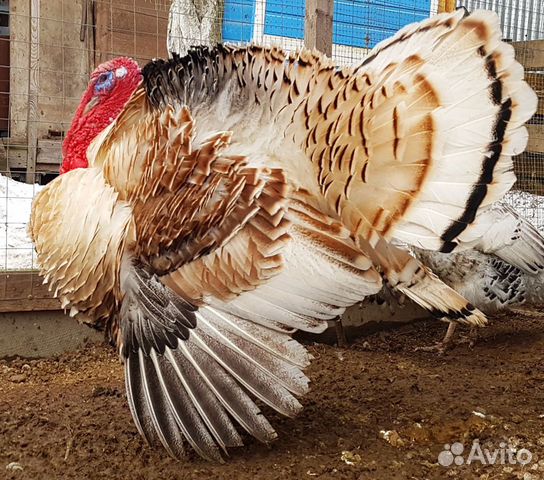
(104, 82)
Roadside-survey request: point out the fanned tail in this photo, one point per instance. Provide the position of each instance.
(451, 128)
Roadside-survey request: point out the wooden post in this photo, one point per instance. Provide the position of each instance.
(446, 6)
(318, 25)
(33, 85)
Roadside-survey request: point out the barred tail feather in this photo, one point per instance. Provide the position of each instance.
(481, 103)
(442, 301)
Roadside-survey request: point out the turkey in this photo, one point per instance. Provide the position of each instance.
(513, 239)
(488, 282)
(504, 269)
(211, 205)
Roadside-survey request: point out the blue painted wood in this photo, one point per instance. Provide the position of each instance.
(239, 20)
(358, 23)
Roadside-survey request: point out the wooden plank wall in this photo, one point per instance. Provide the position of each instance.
(23, 291)
(536, 80)
(32, 117)
(530, 54)
(135, 28)
(52, 55)
(529, 166)
(536, 139)
(63, 64)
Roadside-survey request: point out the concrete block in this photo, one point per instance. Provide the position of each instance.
(366, 318)
(42, 334)
(39, 334)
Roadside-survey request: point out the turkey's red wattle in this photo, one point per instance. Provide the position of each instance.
(97, 110)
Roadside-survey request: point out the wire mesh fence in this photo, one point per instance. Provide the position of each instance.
(48, 48)
(358, 25)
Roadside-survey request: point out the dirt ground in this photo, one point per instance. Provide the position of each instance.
(67, 418)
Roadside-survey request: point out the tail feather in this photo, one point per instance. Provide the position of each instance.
(442, 301)
(471, 115)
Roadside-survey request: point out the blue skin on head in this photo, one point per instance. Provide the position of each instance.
(104, 83)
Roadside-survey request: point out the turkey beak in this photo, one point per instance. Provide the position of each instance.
(93, 103)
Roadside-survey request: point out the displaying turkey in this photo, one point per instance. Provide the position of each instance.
(237, 194)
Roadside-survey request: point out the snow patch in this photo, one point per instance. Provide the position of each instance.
(16, 249)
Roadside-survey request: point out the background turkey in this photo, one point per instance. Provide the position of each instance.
(505, 269)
